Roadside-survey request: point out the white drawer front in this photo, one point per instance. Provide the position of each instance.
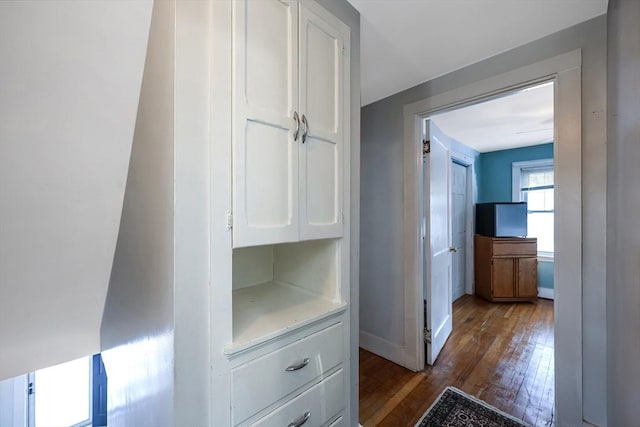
(321, 402)
(263, 381)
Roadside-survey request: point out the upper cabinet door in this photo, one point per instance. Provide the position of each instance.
(324, 44)
(265, 153)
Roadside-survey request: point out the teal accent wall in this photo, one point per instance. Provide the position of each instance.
(494, 185)
(494, 171)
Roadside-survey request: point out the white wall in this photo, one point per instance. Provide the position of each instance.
(381, 290)
(138, 324)
(70, 79)
(623, 246)
(192, 215)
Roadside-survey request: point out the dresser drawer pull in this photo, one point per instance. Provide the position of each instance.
(300, 365)
(303, 419)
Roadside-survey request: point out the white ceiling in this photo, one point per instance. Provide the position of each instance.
(408, 42)
(520, 119)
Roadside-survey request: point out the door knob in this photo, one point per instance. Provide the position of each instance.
(452, 249)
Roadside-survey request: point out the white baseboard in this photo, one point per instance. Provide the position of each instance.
(545, 293)
(383, 348)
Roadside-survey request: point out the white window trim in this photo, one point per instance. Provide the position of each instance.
(516, 168)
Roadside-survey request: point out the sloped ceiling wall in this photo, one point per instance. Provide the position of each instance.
(70, 79)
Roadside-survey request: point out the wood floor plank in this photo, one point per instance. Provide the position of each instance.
(500, 353)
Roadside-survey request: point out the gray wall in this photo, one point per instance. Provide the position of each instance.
(68, 99)
(381, 271)
(623, 248)
(137, 326)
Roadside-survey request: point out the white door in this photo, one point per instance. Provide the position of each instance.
(458, 228)
(437, 247)
(323, 131)
(265, 147)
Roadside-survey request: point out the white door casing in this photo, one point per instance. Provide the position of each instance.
(437, 242)
(458, 228)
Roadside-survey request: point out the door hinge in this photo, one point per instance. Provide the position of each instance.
(343, 217)
(342, 50)
(427, 336)
(30, 389)
(426, 147)
(229, 219)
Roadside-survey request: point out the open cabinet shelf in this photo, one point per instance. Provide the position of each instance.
(270, 309)
(279, 288)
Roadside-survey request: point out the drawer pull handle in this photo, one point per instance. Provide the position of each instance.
(300, 365)
(303, 419)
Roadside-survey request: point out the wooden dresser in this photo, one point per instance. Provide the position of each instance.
(506, 268)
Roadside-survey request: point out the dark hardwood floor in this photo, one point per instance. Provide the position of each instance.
(501, 353)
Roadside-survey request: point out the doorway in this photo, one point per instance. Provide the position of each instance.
(510, 139)
(565, 71)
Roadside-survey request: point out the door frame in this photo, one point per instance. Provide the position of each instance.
(566, 72)
(467, 161)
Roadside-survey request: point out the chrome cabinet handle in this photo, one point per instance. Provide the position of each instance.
(297, 120)
(303, 419)
(299, 366)
(306, 128)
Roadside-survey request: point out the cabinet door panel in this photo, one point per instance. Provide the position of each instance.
(265, 155)
(503, 278)
(527, 277)
(270, 55)
(268, 177)
(321, 189)
(321, 74)
(322, 101)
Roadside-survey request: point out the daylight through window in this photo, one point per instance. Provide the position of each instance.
(536, 187)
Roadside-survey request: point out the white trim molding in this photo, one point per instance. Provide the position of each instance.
(381, 347)
(546, 293)
(516, 170)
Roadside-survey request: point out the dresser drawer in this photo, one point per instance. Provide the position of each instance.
(320, 404)
(513, 249)
(265, 380)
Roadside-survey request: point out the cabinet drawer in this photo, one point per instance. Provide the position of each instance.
(321, 403)
(514, 249)
(265, 380)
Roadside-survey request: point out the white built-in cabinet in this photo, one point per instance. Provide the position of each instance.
(280, 266)
(289, 123)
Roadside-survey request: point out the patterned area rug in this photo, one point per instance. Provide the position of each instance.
(455, 408)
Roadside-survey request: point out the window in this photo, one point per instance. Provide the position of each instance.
(533, 183)
(63, 394)
(70, 394)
